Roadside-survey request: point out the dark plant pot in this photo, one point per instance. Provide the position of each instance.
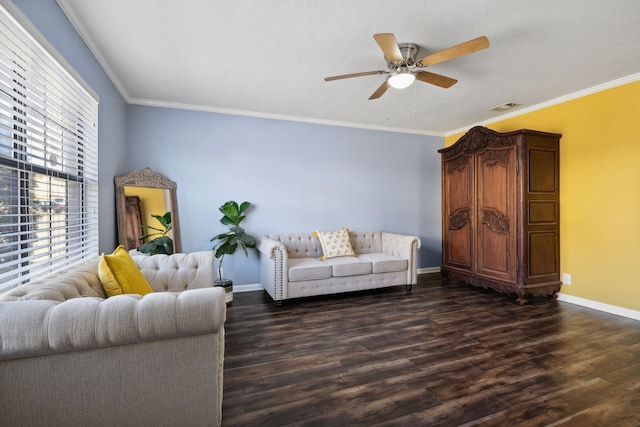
(228, 288)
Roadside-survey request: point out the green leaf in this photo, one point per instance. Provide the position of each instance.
(227, 248)
(167, 218)
(227, 220)
(229, 210)
(244, 206)
(222, 236)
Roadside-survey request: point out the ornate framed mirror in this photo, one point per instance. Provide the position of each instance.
(140, 194)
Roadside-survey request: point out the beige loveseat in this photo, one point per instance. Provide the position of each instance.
(290, 265)
(71, 357)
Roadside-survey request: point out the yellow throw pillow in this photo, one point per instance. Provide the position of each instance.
(334, 243)
(119, 274)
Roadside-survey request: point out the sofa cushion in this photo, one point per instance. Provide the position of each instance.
(383, 263)
(334, 243)
(119, 274)
(301, 269)
(349, 266)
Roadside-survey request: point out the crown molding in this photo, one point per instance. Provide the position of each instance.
(209, 109)
(76, 22)
(575, 95)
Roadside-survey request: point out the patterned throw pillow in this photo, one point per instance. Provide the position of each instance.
(334, 243)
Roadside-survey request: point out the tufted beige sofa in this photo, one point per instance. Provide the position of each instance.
(290, 265)
(71, 357)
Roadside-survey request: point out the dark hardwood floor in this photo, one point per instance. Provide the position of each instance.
(442, 355)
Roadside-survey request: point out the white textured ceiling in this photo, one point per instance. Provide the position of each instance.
(269, 58)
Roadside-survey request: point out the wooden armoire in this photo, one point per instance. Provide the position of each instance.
(501, 211)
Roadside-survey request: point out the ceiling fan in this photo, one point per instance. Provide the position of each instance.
(403, 67)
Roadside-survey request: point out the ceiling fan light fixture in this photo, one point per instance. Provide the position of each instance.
(401, 63)
(401, 79)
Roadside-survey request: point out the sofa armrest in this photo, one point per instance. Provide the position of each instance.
(35, 328)
(406, 247)
(273, 267)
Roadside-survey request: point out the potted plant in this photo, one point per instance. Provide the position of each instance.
(227, 243)
(163, 244)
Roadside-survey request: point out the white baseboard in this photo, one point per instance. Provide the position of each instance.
(612, 309)
(607, 308)
(428, 270)
(247, 288)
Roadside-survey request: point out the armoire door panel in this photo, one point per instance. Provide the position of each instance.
(543, 254)
(458, 248)
(542, 177)
(494, 179)
(459, 184)
(543, 212)
(494, 257)
(458, 226)
(496, 210)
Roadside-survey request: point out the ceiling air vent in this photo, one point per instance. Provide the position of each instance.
(503, 107)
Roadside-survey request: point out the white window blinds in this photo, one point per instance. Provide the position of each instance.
(48, 161)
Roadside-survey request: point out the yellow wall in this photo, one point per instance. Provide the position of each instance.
(599, 191)
(152, 202)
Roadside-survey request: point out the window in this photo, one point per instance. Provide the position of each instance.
(48, 161)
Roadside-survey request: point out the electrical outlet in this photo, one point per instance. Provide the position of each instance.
(566, 279)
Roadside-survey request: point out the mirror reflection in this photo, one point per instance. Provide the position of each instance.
(141, 197)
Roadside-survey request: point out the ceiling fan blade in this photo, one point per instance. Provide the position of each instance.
(348, 76)
(435, 79)
(380, 91)
(454, 52)
(389, 46)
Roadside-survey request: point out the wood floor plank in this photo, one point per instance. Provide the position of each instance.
(440, 355)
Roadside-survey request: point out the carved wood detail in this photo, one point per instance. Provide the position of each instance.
(546, 289)
(459, 219)
(478, 138)
(459, 163)
(496, 221)
(493, 157)
(146, 178)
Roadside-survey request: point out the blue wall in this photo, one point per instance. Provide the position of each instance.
(300, 177)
